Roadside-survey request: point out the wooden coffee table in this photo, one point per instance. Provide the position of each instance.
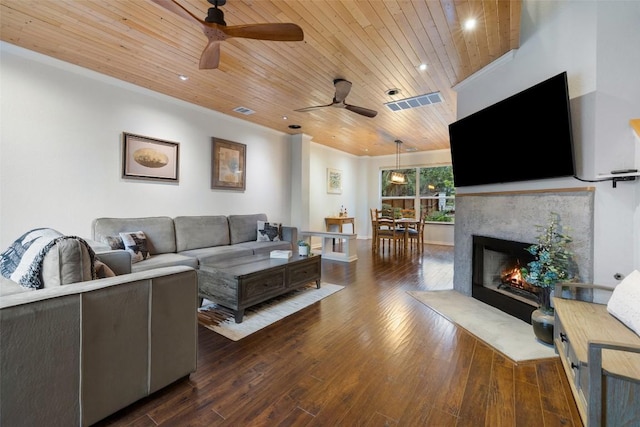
(242, 282)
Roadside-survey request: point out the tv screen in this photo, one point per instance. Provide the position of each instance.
(521, 138)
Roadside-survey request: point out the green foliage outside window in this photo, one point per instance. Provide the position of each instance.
(436, 181)
(435, 196)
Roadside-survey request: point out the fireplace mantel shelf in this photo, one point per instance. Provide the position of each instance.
(518, 192)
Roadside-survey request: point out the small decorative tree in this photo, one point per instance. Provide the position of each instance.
(551, 263)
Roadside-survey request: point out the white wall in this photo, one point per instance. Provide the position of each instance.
(322, 203)
(60, 151)
(589, 40)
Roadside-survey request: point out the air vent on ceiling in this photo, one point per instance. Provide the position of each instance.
(243, 110)
(414, 102)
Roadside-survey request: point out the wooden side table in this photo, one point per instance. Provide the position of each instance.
(340, 221)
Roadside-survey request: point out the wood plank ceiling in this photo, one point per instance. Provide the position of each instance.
(377, 45)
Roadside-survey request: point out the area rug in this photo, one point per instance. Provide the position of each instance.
(509, 335)
(220, 319)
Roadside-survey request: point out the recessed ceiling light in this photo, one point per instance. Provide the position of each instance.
(470, 24)
(284, 117)
(422, 67)
(393, 91)
(183, 77)
(294, 126)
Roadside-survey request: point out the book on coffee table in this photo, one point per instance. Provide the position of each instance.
(281, 254)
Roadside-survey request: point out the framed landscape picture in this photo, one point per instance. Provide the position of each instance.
(150, 158)
(334, 181)
(228, 168)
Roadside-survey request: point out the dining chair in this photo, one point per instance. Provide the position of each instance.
(416, 235)
(408, 213)
(387, 229)
(374, 228)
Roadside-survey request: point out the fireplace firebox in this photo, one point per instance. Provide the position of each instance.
(496, 276)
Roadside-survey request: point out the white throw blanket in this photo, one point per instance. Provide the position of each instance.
(22, 261)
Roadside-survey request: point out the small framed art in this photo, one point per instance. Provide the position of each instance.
(150, 158)
(228, 168)
(334, 181)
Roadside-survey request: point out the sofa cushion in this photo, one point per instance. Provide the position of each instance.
(244, 228)
(159, 230)
(164, 260)
(218, 253)
(135, 242)
(194, 232)
(265, 247)
(624, 303)
(9, 287)
(269, 231)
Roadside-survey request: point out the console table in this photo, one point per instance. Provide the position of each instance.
(601, 358)
(339, 221)
(242, 282)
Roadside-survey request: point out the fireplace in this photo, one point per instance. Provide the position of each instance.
(496, 278)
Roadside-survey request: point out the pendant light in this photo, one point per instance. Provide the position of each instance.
(398, 177)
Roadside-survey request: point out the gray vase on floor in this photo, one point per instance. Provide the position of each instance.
(542, 322)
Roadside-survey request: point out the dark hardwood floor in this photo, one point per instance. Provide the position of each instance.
(369, 355)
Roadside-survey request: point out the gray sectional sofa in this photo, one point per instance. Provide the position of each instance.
(81, 348)
(192, 240)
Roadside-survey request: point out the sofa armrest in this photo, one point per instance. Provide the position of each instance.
(290, 234)
(118, 261)
(73, 354)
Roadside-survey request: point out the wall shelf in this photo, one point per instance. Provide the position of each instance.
(616, 175)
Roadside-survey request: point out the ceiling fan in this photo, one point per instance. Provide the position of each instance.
(217, 30)
(343, 87)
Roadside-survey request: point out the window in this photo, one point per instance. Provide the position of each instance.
(429, 190)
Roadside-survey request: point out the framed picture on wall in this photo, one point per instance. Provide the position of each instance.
(228, 168)
(149, 158)
(334, 181)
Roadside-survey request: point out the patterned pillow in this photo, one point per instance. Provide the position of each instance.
(269, 231)
(136, 243)
(114, 242)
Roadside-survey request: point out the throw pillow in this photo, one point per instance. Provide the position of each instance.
(103, 270)
(624, 303)
(136, 244)
(114, 242)
(269, 231)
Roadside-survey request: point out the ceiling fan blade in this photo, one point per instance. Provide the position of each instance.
(361, 110)
(178, 9)
(343, 87)
(315, 107)
(274, 32)
(210, 57)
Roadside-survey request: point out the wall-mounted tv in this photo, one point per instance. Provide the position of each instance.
(521, 138)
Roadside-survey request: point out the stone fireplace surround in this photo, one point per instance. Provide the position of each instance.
(514, 216)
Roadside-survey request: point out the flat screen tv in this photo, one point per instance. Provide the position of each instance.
(521, 138)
